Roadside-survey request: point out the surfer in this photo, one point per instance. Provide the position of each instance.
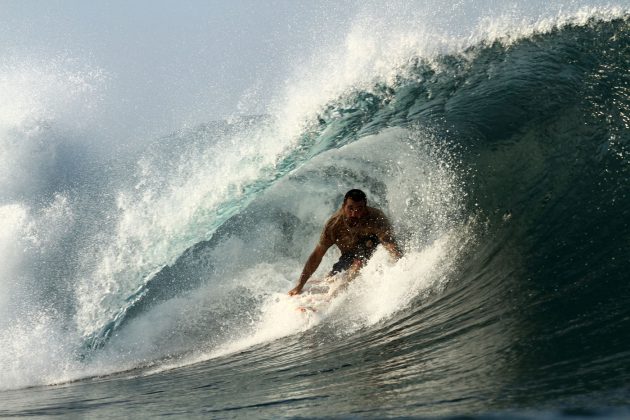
(356, 229)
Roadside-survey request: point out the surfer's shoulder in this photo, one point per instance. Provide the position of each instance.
(377, 219)
(331, 229)
(376, 214)
(334, 220)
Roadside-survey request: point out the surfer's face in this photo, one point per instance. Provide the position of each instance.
(354, 210)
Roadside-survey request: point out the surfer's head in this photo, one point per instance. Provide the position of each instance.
(355, 195)
(354, 205)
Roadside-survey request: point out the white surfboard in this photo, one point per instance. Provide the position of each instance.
(318, 294)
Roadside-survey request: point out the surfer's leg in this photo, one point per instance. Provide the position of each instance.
(350, 274)
(344, 263)
(356, 265)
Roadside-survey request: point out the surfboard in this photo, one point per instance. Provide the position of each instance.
(319, 293)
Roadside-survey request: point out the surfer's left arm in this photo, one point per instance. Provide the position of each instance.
(388, 240)
(393, 249)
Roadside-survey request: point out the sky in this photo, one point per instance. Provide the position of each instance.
(167, 64)
(175, 62)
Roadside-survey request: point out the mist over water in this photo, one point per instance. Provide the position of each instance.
(152, 244)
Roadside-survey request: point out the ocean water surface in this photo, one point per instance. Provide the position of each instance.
(156, 283)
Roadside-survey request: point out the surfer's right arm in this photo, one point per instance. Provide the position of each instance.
(309, 268)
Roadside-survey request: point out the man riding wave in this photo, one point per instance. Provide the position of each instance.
(356, 229)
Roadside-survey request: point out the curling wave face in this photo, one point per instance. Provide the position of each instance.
(504, 167)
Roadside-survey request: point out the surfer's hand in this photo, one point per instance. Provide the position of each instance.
(295, 291)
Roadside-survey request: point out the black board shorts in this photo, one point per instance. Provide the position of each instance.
(364, 251)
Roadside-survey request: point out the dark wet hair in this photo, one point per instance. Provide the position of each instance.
(355, 195)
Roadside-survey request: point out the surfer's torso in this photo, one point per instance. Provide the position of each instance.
(351, 237)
